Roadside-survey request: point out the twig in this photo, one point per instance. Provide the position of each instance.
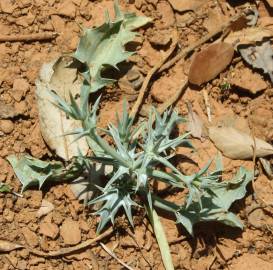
(111, 253)
(28, 37)
(206, 99)
(67, 251)
(200, 42)
(151, 74)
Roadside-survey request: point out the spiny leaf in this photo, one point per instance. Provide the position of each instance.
(31, 171)
(215, 201)
(103, 46)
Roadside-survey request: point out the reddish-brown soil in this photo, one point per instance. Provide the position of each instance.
(215, 246)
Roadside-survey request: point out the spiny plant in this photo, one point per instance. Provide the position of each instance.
(138, 154)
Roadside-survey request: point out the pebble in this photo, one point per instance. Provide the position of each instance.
(7, 6)
(7, 110)
(70, 232)
(30, 237)
(20, 88)
(6, 126)
(46, 207)
(67, 9)
(49, 229)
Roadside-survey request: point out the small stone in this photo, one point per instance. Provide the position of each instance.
(58, 23)
(20, 88)
(249, 80)
(36, 199)
(67, 9)
(20, 107)
(46, 207)
(36, 260)
(167, 15)
(161, 38)
(7, 111)
(70, 232)
(30, 237)
(7, 6)
(84, 226)
(8, 215)
(6, 126)
(49, 229)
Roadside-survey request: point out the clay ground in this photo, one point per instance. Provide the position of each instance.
(214, 246)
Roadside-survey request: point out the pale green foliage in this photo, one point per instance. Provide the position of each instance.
(31, 171)
(103, 47)
(137, 155)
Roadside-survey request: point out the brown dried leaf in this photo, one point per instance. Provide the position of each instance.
(235, 144)
(248, 36)
(6, 246)
(211, 61)
(61, 78)
(46, 207)
(185, 5)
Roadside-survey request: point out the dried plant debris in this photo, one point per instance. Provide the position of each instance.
(103, 47)
(210, 62)
(236, 144)
(7, 246)
(195, 124)
(267, 166)
(60, 77)
(259, 56)
(247, 36)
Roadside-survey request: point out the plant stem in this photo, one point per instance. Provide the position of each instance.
(161, 238)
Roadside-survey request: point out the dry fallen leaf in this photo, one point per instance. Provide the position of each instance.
(259, 56)
(185, 5)
(248, 36)
(208, 63)
(54, 123)
(6, 246)
(46, 207)
(235, 144)
(195, 124)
